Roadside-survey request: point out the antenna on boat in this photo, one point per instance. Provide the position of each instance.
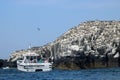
(29, 46)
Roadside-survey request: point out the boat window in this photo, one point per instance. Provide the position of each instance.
(27, 57)
(38, 58)
(33, 59)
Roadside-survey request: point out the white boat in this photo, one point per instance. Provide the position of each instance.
(32, 62)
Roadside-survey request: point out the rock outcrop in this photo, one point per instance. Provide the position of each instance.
(6, 63)
(90, 44)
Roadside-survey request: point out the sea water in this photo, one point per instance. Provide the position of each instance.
(87, 74)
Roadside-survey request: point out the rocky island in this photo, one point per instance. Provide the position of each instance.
(91, 44)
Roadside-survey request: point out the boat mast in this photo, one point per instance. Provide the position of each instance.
(29, 48)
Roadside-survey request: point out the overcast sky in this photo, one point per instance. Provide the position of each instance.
(37, 22)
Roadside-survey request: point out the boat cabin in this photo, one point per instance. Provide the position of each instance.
(33, 58)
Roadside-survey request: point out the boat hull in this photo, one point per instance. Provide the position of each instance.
(34, 67)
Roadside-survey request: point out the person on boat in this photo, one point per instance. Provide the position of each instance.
(39, 59)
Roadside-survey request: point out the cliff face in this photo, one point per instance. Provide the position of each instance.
(97, 38)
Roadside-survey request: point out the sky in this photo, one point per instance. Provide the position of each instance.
(37, 22)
